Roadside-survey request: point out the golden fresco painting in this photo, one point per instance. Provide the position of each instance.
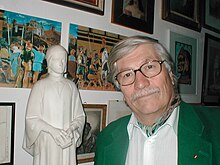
(88, 54)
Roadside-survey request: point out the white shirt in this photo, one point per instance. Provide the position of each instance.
(158, 149)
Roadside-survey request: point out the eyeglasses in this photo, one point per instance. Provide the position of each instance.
(149, 70)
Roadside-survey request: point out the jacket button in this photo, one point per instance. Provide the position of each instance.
(195, 156)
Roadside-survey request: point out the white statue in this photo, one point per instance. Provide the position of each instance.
(54, 118)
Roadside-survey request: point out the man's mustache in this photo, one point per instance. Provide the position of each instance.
(144, 92)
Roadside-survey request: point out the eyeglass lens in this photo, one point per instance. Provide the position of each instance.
(149, 70)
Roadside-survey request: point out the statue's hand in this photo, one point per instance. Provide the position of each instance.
(60, 137)
(70, 131)
(65, 140)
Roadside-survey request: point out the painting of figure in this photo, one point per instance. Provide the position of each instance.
(24, 41)
(88, 55)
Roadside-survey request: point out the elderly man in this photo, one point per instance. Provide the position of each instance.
(55, 117)
(162, 129)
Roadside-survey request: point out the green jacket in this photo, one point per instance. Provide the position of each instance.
(198, 134)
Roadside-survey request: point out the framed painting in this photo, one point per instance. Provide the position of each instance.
(89, 50)
(24, 40)
(93, 6)
(211, 71)
(95, 122)
(135, 14)
(183, 13)
(212, 15)
(7, 121)
(183, 50)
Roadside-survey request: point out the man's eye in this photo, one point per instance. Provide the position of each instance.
(150, 67)
(127, 75)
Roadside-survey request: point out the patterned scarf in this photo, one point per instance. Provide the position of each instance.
(150, 130)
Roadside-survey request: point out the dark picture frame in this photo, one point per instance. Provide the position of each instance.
(184, 14)
(143, 20)
(211, 71)
(212, 15)
(95, 122)
(93, 6)
(7, 121)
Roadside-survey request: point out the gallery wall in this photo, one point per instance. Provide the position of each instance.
(67, 15)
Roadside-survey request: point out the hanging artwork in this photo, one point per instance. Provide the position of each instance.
(7, 121)
(134, 14)
(24, 40)
(88, 54)
(93, 6)
(184, 13)
(211, 71)
(184, 52)
(212, 15)
(95, 122)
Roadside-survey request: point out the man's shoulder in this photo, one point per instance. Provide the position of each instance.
(209, 116)
(206, 114)
(122, 120)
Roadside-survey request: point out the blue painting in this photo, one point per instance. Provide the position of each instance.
(24, 41)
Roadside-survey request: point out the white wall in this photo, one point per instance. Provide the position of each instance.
(67, 15)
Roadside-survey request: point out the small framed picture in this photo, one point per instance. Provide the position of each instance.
(184, 13)
(135, 14)
(7, 121)
(183, 50)
(93, 6)
(95, 122)
(212, 15)
(211, 71)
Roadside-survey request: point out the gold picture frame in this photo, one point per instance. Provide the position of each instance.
(93, 6)
(95, 122)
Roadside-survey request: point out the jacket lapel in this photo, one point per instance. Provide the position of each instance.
(192, 148)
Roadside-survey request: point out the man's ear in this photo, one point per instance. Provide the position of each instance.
(171, 77)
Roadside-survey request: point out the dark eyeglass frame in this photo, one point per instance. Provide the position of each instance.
(139, 69)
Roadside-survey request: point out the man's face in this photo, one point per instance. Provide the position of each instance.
(153, 95)
(58, 62)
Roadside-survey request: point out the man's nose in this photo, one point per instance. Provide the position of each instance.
(141, 81)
